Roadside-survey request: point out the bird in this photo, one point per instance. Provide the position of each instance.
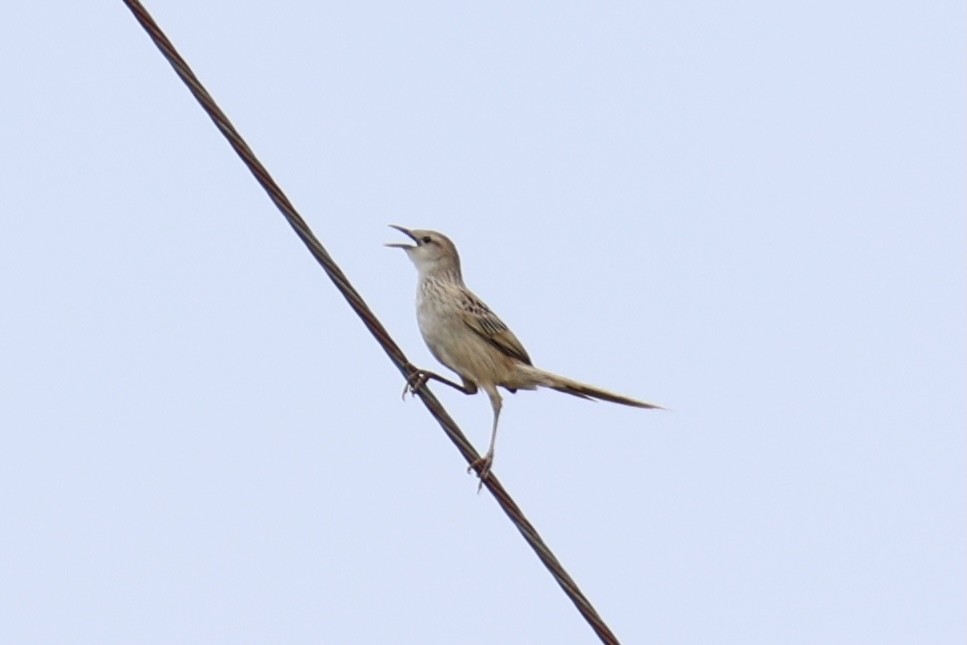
(466, 336)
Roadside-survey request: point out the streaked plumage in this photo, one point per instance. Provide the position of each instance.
(464, 334)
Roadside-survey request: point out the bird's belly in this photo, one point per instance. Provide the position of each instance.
(458, 347)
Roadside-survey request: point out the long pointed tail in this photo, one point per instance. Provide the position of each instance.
(582, 390)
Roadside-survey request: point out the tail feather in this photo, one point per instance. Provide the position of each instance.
(582, 390)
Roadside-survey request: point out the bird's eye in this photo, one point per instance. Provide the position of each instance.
(426, 239)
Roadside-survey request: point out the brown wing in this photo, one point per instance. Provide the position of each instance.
(478, 317)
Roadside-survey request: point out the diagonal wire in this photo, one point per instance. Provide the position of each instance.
(369, 319)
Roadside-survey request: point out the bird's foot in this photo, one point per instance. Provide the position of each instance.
(415, 381)
(482, 466)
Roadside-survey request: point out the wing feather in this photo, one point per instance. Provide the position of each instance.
(485, 323)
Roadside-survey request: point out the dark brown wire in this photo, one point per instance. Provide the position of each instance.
(366, 315)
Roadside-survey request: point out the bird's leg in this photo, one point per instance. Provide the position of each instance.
(418, 379)
(483, 464)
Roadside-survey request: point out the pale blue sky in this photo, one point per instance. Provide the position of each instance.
(752, 212)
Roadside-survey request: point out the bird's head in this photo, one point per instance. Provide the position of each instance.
(433, 253)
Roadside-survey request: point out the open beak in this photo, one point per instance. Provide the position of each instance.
(405, 232)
